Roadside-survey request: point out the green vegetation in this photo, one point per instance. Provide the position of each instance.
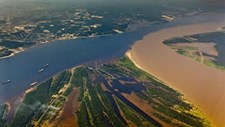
(7, 45)
(101, 102)
(5, 52)
(95, 107)
(15, 44)
(59, 81)
(215, 61)
(192, 53)
(41, 93)
(31, 103)
(78, 80)
(169, 103)
(133, 116)
(3, 113)
(40, 103)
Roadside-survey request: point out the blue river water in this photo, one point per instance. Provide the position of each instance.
(22, 69)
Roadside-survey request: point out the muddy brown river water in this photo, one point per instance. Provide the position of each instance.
(203, 85)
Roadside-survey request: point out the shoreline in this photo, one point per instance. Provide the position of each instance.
(12, 54)
(22, 49)
(203, 85)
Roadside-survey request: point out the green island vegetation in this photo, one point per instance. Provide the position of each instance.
(3, 114)
(102, 101)
(194, 53)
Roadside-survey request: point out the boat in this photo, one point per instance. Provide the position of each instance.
(41, 70)
(46, 65)
(34, 83)
(6, 82)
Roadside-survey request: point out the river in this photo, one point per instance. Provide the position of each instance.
(22, 69)
(203, 85)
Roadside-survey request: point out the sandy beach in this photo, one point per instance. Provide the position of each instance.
(203, 85)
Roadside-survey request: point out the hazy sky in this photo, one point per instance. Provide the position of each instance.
(112, 0)
(214, 1)
(205, 2)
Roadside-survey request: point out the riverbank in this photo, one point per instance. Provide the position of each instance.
(22, 49)
(12, 54)
(124, 95)
(202, 84)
